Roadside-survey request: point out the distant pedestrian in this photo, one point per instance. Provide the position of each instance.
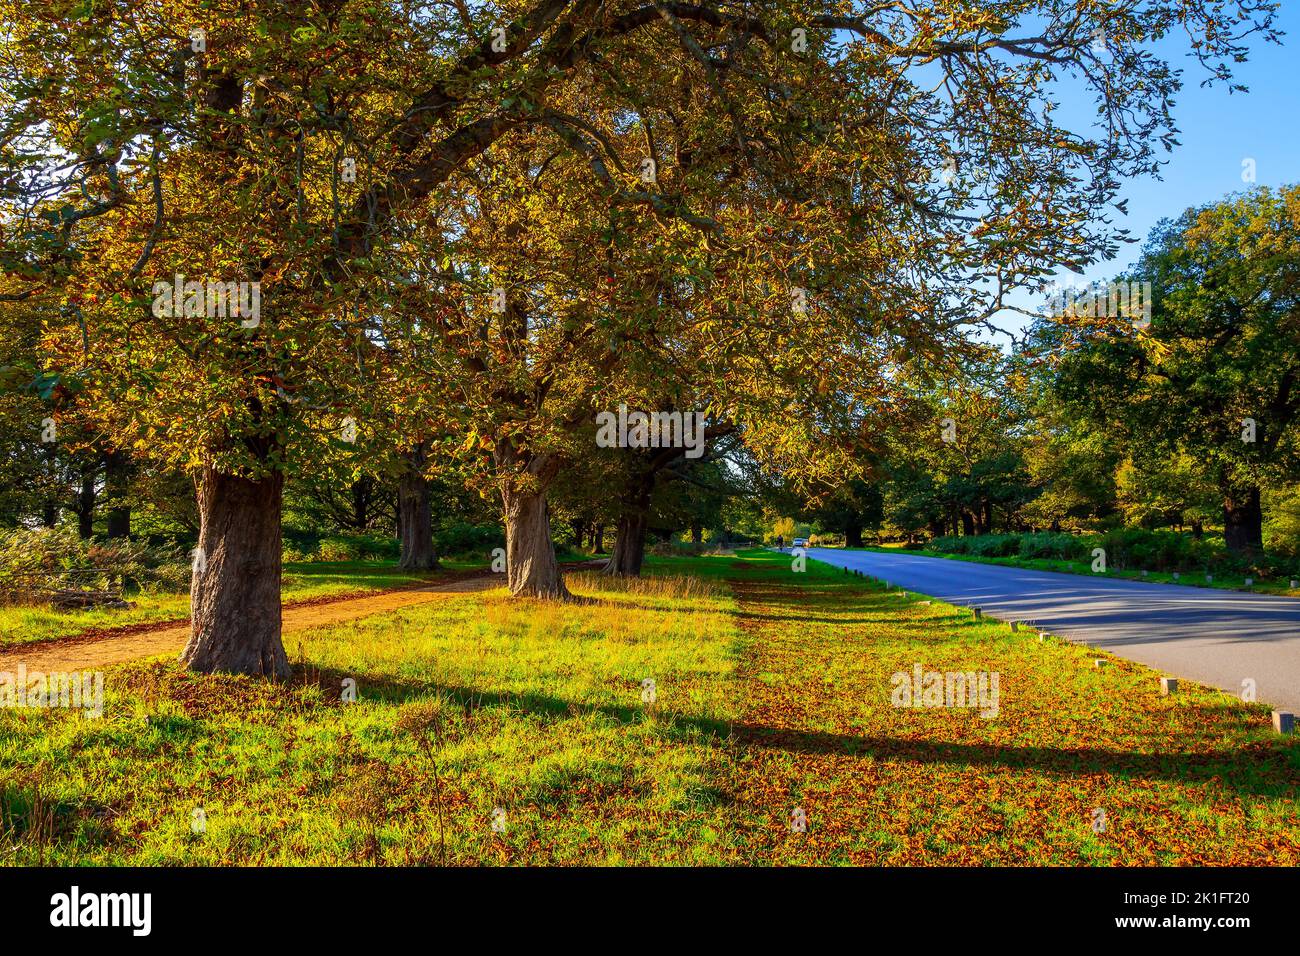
(780, 542)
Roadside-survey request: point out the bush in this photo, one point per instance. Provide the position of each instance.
(44, 559)
(1129, 549)
(459, 538)
(337, 549)
(1057, 545)
(981, 545)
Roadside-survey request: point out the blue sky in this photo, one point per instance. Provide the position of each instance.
(1217, 131)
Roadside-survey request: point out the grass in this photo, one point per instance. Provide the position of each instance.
(772, 692)
(1227, 582)
(301, 582)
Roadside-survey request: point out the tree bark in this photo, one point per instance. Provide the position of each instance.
(967, 523)
(633, 519)
(598, 539)
(697, 535)
(1198, 529)
(629, 544)
(117, 477)
(362, 493)
(853, 536)
(86, 501)
(235, 589)
(416, 522)
(531, 567)
(1243, 520)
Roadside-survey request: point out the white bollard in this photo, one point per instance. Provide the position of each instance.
(1098, 663)
(979, 613)
(1284, 721)
(1168, 685)
(1250, 582)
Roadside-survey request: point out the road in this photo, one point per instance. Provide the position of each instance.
(1215, 637)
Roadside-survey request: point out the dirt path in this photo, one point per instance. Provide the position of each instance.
(91, 652)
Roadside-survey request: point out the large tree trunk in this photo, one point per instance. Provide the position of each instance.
(416, 522)
(967, 523)
(853, 536)
(697, 535)
(634, 516)
(629, 544)
(1243, 520)
(598, 539)
(235, 590)
(531, 567)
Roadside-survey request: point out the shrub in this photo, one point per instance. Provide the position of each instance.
(460, 538)
(1056, 545)
(43, 559)
(1126, 549)
(337, 549)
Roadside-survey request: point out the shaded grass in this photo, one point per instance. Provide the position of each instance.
(301, 582)
(772, 692)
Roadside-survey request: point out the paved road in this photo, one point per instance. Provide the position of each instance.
(1215, 637)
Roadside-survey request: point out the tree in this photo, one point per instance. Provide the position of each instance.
(1215, 376)
(294, 146)
(850, 508)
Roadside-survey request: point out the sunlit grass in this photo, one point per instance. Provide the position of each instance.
(772, 691)
(301, 582)
(465, 705)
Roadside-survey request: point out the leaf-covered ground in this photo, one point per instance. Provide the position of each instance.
(1197, 777)
(772, 692)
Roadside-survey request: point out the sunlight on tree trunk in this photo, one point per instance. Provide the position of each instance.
(531, 566)
(235, 589)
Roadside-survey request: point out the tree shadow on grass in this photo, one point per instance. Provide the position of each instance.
(1260, 768)
(1256, 768)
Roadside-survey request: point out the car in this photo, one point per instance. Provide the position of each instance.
(799, 543)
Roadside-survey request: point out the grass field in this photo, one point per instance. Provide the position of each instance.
(772, 694)
(301, 582)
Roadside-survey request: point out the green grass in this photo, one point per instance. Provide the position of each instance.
(1227, 582)
(773, 692)
(301, 582)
